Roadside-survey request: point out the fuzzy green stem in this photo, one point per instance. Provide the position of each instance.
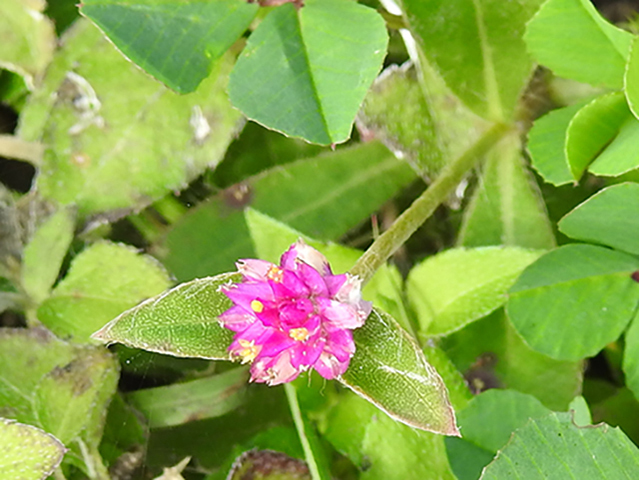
(292, 397)
(422, 208)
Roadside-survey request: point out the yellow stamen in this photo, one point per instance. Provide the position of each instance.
(300, 334)
(249, 350)
(257, 306)
(275, 273)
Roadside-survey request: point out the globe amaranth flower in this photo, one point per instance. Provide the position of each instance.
(293, 317)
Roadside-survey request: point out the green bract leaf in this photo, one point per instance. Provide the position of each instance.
(175, 41)
(477, 48)
(609, 218)
(487, 423)
(345, 186)
(43, 255)
(27, 38)
(26, 452)
(621, 155)
(506, 208)
(631, 77)
(194, 400)
(574, 300)
(554, 447)
(103, 121)
(547, 145)
(103, 280)
(390, 371)
(304, 72)
(458, 286)
(630, 363)
(181, 322)
(572, 39)
(592, 128)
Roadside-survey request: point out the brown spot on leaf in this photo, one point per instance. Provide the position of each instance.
(262, 463)
(237, 196)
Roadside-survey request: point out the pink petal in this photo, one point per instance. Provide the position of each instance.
(301, 252)
(290, 286)
(312, 279)
(253, 269)
(329, 366)
(340, 344)
(339, 315)
(243, 294)
(306, 354)
(334, 283)
(274, 370)
(236, 319)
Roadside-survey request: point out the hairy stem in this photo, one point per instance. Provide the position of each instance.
(422, 208)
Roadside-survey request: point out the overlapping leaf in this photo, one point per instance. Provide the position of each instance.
(630, 364)
(631, 77)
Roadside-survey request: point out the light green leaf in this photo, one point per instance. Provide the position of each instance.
(621, 155)
(592, 128)
(345, 186)
(580, 410)
(27, 39)
(103, 120)
(193, 400)
(458, 286)
(103, 280)
(610, 217)
(631, 77)
(554, 447)
(176, 42)
(181, 322)
(477, 48)
(546, 145)
(43, 255)
(574, 300)
(506, 207)
(390, 371)
(304, 72)
(630, 362)
(572, 39)
(491, 353)
(26, 452)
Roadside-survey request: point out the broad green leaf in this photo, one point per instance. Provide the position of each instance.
(574, 300)
(43, 255)
(175, 41)
(491, 353)
(305, 72)
(27, 39)
(487, 423)
(26, 452)
(477, 48)
(554, 447)
(546, 145)
(592, 128)
(125, 432)
(390, 371)
(621, 155)
(70, 397)
(608, 218)
(103, 280)
(572, 39)
(268, 465)
(193, 400)
(631, 77)
(344, 186)
(381, 447)
(630, 363)
(506, 207)
(103, 120)
(181, 322)
(458, 286)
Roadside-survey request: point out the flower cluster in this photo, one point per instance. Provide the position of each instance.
(294, 317)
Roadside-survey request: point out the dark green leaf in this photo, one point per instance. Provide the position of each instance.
(26, 452)
(189, 401)
(103, 280)
(630, 364)
(572, 39)
(175, 41)
(621, 155)
(554, 447)
(477, 48)
(631, 77)
(609, 218)
(304, 72)
(181, 322)
(506, 207)
(390, 371)
(458, 286)
(574, 300)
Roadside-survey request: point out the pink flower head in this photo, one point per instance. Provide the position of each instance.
(294, 317)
